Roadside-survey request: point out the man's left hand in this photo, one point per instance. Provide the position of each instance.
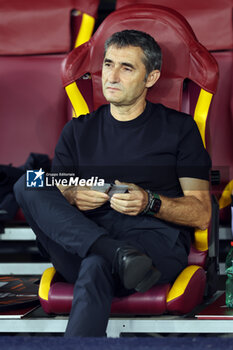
(131, 203)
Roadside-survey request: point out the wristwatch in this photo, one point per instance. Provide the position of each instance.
(154, 203)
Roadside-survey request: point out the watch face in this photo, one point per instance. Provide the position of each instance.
(155, 205)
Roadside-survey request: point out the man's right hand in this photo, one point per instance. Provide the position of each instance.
(84, 198)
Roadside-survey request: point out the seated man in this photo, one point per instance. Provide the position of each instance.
(111, 246)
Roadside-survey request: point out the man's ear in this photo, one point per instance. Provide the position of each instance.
(152, 78)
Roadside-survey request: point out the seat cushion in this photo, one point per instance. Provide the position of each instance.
(56, 295)
(152, 302)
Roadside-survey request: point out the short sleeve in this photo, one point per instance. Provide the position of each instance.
(64, 157)
(192, 158)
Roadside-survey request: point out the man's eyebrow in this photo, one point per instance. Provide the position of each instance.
(126, 64)
(107, 60)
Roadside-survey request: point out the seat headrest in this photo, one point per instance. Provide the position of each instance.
(183, 56)
(38, 27)
(210, 20)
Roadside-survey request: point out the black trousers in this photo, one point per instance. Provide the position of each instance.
(67, 234)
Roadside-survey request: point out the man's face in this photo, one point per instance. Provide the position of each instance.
(123, 75)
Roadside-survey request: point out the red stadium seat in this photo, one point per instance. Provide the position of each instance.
(211, 20)
(35, 36)
(195, 63)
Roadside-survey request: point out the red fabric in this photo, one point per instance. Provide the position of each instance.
(172, 33)
(210, 20)
(197, 257)
(33, 106)
(88, 6)
(152, 302)
(45, 306)
(37, 27)
(219, 125)
(220, 121)
(192, 295)
(60, 297)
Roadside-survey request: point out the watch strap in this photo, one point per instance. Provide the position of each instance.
(153, 205)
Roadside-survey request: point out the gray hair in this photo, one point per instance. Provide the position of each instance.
(152, 52)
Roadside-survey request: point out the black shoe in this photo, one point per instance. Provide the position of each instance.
(135, 269)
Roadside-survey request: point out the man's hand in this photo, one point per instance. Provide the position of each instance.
(84, 198)
(193, 209)
(131, 203)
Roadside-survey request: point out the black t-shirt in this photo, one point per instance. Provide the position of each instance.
(152, 151)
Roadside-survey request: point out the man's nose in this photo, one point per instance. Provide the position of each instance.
(114, 76)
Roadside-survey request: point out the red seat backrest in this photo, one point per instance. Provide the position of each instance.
(35, 36)
(40, 27)
(210, 20)
(182, 54)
